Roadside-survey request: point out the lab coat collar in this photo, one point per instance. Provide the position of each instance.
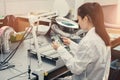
(92, 30)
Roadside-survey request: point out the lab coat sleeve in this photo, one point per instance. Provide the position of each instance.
(76, 64)
(73, 47)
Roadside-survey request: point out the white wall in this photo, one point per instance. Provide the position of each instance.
(103, 2)
(2, 9)
(118, 12)
(24, 6)
(110, 13)
(74, 4)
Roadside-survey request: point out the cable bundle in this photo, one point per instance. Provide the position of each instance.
(12, 53)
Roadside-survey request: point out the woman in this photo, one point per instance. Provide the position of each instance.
(90, 59)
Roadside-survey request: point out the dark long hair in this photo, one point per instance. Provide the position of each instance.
(94, 11)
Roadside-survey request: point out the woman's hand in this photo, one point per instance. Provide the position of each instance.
(66, 41)
(55, 45)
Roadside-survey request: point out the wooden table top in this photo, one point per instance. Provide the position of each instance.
(114, 35)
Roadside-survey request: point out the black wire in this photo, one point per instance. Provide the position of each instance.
(12, 53)
(14, 49)
(29, 64)
(17, 47)
(23, 38)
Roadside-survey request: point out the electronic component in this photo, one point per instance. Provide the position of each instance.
(57, 38)
(48, 55)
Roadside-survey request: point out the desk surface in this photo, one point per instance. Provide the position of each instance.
(21, 62)
(114, 35)
(113, 30)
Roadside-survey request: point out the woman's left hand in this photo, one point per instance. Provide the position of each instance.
(55, 45)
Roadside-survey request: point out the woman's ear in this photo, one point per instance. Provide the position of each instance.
(85, 19)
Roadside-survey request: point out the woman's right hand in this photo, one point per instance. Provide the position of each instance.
(66, 40)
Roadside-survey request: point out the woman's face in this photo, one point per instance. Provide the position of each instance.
(83, 23)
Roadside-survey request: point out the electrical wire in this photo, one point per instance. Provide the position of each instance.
(29, 62)
(12, 53)
(23, 38)
(1, 51)
(17, 47)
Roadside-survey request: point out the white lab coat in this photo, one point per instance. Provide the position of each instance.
(90, 59)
